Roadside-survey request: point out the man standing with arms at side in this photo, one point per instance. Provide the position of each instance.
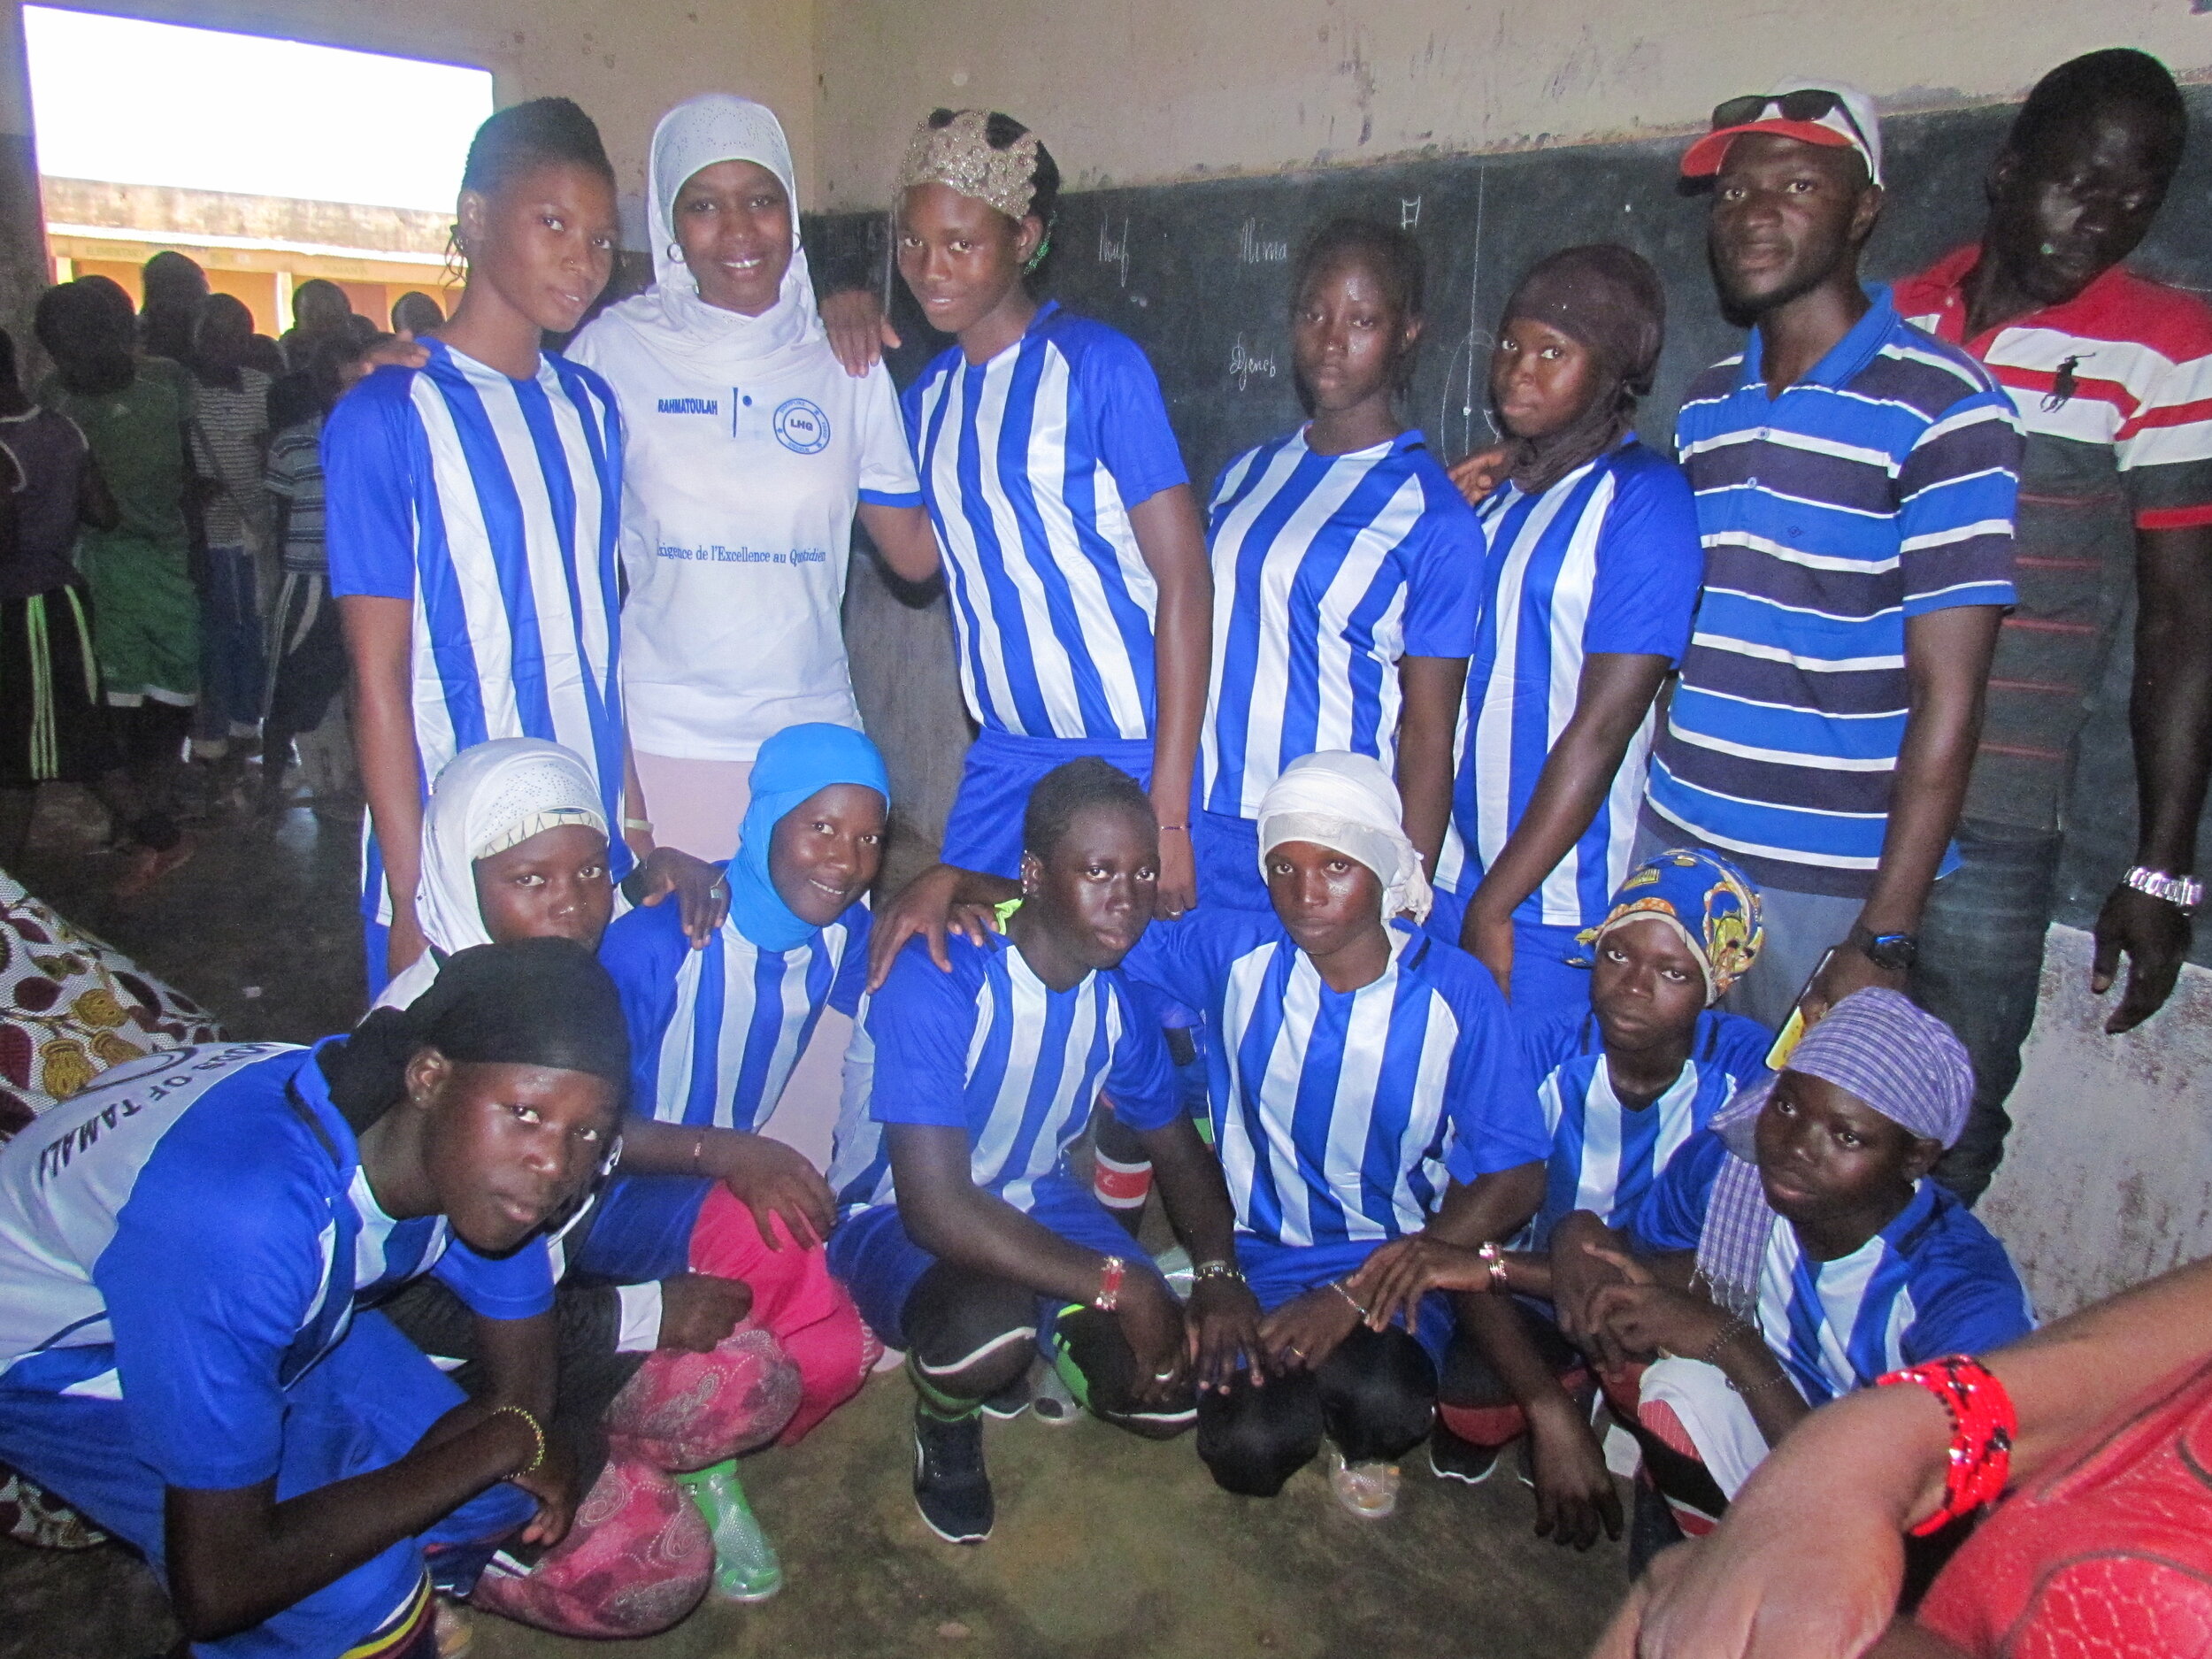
(2111, 375)
(1854, 483)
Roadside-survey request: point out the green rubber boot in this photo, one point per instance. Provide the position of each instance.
(745, 1564)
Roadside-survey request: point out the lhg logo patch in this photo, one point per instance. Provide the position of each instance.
(801, 428)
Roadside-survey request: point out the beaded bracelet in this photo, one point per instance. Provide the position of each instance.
(537, 1434)
(1978, 1461)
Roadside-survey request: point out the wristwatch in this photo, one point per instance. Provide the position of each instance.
(1895, 952)
(2183, 893)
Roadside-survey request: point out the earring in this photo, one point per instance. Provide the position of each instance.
(675, 253)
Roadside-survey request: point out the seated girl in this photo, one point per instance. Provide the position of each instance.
(1795, 1253)
(1364, 1085)
(965, 1241)
(1624, 1087)
(719, 1334)
(190, 1253)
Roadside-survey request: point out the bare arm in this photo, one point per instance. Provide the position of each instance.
(238, 1557)
(380, 640)
(1428, 718)
(1612, 697)
(906, 538)
(956, 1221)
(2169, 718)
(1174, 542)
(1223, 1317)
(1806, 1563)
(1946, 671)
(96, 503)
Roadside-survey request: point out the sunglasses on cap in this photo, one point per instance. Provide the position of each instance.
(1808, 105)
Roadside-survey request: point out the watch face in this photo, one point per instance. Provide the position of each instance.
(1893, 951)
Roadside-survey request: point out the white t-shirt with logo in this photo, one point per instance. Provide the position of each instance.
(737, 514)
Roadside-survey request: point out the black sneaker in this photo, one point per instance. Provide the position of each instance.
(1652, 1526)
(1452, 1458)
(1009, 1402)
(951, 1488)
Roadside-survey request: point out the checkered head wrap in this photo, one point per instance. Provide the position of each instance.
(1877, 1044)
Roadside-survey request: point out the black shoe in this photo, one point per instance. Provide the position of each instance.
(1652, 1526)
(1009, 1402)
(951, 1488)
(1452, 1458)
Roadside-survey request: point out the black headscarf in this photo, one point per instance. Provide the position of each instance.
(530, 1001)
(1608, 298)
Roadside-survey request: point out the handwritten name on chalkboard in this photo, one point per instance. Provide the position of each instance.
(1114, 250)
(1244, 368)
(1254, 249)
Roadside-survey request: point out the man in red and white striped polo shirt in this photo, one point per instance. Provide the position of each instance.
(2112, 376)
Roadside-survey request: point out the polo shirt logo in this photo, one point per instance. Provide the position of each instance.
(690, 405)
(801, 426)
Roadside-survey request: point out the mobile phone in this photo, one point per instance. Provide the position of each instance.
(1794, 1027)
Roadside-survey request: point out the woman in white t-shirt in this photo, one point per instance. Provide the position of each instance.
(749, 449)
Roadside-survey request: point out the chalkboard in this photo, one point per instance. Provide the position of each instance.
(1198, 272)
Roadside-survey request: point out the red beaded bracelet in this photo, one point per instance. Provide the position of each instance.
(1978, 1461)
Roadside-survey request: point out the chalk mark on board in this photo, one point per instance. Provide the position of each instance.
(1466, 377)
(1244, 368)
(1113, 250)
(1409, 213)
(1254, 249)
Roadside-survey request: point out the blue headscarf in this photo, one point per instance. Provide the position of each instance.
(798, 763)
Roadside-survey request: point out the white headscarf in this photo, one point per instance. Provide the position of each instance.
(670, 317)
(489, 798)
(1346, 802)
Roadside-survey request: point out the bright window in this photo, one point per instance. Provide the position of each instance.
(136, 102)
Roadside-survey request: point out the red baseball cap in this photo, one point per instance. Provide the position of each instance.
(1828, 113)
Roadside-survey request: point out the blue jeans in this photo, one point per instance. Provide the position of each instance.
(1979, 969)
(231, 664)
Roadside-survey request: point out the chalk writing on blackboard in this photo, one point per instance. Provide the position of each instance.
(1244, 368)
(1409, 213)
(1462, 415)
(1254, 249)
(1114, 250)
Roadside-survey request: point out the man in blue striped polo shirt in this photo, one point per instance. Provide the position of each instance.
(1854, 483)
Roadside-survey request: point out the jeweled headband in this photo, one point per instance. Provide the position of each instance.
(959, 154)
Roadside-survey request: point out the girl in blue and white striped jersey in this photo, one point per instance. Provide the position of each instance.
(965, 1241)
(1345, 571)
(1074, 553)
(1624, 1086)
(1589, 585)
(472, 503)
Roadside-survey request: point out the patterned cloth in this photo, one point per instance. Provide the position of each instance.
(1703, 899)
(1898, 1058)
(71, 1006)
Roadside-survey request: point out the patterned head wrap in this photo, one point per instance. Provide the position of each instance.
(1346, 802)
(959, 156)
(1877, 1044)
(1707, 902)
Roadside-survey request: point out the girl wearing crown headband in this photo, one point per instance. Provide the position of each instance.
(1076, 559)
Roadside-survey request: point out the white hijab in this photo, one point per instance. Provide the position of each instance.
(1348, 803)
(670, 318)
(488, 799)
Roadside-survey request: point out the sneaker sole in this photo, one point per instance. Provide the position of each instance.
(1442, 1473)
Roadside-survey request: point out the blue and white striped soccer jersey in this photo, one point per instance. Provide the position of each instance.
(1327, 569)
(715, 1032)
(990, 1049)
(183, 1250)
(1604, 1156)
(492, 505)
(1934, 1281)
(1030, 463)
(1341, 1116)
(1605, 561)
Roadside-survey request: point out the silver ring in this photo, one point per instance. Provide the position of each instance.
(1162, 1376)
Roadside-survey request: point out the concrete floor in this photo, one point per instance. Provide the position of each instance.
(1107, 1546)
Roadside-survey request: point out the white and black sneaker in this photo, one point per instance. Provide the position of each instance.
(951, 1488)
(1452, 1458)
